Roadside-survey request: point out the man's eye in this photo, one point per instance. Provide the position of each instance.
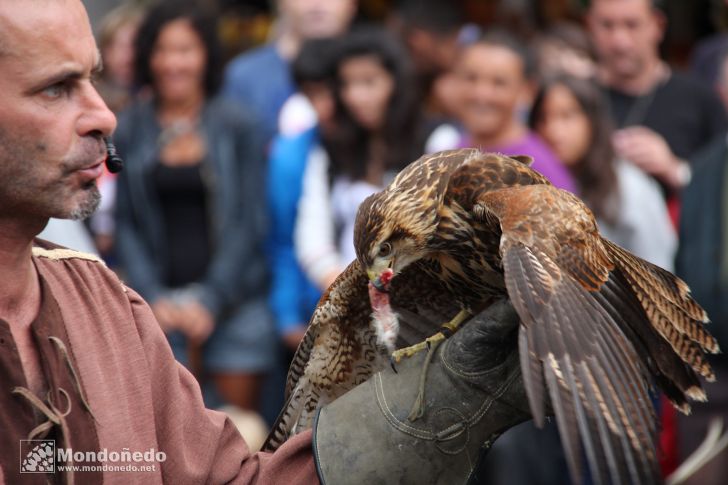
(56, 90)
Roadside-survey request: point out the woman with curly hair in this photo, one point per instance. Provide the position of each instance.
(191, 205)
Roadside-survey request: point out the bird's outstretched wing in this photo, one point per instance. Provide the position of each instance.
(597, 322)
(339, 350)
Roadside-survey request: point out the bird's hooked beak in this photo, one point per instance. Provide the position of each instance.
(381, 281)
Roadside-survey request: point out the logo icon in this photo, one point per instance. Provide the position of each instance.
(37, 456)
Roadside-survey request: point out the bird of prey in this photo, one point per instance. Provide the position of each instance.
(599, 326)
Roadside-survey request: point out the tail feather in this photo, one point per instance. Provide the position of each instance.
(662, 293)
(678, 320)
(300, 359)
(297, 414)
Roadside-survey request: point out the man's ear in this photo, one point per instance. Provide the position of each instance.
(589, 20)
(661, 22)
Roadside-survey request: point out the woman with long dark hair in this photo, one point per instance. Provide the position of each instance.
(191, 205)
(571, 115)
(379, 130)
(378, 114)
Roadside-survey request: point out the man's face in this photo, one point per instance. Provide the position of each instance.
(492, 83)
(318, 18)
(321, 96)
(52, 120)
(627, 34)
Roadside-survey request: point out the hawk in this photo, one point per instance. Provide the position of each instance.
(599, 326)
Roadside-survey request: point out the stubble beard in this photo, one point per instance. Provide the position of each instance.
(87, 206)
(634, 68)
(29, 194)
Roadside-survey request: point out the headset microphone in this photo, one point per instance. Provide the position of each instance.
(114, 163)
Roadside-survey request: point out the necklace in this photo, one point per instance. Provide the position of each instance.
(175, 129)
(637, 112)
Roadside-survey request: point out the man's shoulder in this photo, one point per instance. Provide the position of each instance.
(71, 267)
(49, 251)
(255, 61)
(289, 153)
(79, 279)
(684, 84)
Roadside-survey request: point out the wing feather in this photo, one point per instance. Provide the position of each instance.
(577, 339)
(561, 280)
(673, 312)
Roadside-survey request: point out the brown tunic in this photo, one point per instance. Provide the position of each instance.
(114, 385)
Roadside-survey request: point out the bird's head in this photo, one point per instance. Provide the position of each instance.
(389, 235)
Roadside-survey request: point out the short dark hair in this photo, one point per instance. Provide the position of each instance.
(315, 62)
(655, 4)
(202, 21)
(504, 38)
(442, 17)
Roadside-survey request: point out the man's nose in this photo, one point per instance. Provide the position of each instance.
(621, 38)
(483, 92)
(96, 118)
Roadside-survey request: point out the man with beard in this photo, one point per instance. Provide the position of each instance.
(85, 367)
(664, 117)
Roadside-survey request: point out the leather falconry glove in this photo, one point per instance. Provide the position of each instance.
(473, 392)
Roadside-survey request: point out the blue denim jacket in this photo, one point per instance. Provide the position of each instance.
(235, 182)
(260, 80)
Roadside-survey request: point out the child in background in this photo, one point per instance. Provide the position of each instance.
(379, 130)
(572, 117)
(293, 296)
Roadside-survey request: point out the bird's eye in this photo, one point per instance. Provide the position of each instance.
(385, 249)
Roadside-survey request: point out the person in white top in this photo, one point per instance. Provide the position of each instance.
(379, 130)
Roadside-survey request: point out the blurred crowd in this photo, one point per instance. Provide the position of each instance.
(236, 207)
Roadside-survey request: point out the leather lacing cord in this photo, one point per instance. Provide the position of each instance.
(54, 416)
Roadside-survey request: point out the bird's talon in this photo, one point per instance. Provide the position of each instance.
(393, 362)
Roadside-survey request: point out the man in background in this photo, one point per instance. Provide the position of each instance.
(664, 117)
(432, 32)
(261, 80)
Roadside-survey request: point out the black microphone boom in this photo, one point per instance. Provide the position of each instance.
(114, 163)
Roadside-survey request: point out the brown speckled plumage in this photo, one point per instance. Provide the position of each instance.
(597, 323)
